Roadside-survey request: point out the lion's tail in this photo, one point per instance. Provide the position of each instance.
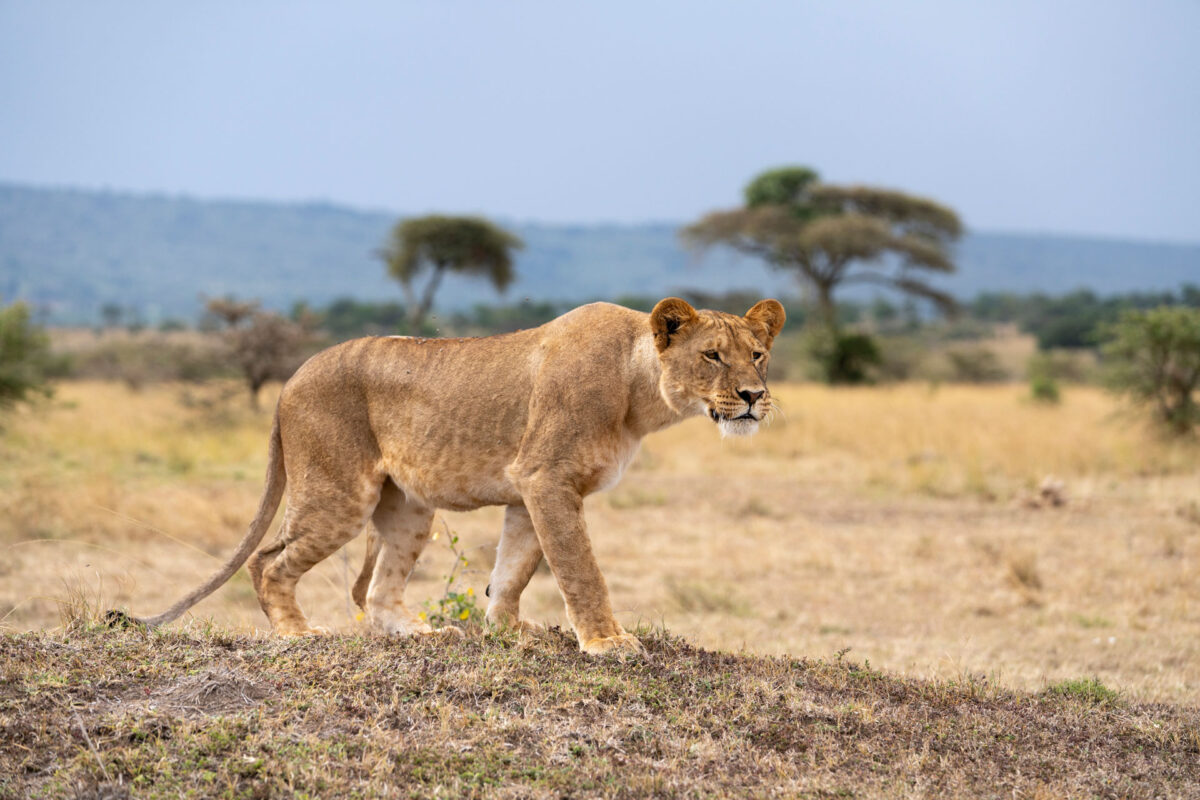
(267, 506)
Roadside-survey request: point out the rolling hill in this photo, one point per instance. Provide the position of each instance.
(70, 251)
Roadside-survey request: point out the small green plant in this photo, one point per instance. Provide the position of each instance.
(1044, 371)
(1044, 389)
(1088, 690)
(454, 607)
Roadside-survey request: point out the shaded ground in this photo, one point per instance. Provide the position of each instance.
(124, 713)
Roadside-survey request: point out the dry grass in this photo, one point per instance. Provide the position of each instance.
(902, 522)
(101, 713)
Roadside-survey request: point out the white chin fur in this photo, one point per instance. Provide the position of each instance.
(738, 427)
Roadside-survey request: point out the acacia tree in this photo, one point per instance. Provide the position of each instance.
(832, 235)
(262, 345)
(434, 245)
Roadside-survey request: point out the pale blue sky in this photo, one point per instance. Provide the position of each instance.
(1073, 117)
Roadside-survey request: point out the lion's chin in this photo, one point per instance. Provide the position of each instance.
(738, 427)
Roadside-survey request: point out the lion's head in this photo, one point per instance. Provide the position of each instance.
(716, 363)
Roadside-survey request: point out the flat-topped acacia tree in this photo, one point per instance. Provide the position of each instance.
(434, 245)
(830, 235)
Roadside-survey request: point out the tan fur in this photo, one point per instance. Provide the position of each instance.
(388, 430)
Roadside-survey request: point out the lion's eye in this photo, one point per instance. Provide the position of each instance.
(756, 356)
(712, 355)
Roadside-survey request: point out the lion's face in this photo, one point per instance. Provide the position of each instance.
(716, 363)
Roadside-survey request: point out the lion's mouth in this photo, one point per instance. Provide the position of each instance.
(719, 417)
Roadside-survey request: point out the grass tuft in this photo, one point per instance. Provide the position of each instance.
(1086, 690)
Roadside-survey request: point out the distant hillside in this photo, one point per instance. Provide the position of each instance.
(69, 252)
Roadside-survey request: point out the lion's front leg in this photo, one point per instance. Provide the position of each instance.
(517, 558)
(557, 515)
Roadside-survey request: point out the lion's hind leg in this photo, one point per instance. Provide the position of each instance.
(402, 527)
(517, 558)
(314, 526)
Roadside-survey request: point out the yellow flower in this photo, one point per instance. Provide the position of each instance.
(434, 537)
(470, 592)
(464, 562)
(421, 615)
(466, 612)
(358, 617)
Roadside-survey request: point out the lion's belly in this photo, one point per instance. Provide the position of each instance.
(454, 485)
(452, 497)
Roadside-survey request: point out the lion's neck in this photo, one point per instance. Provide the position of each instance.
(648, 410)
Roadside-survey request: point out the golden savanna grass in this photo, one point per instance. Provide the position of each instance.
(903, 522)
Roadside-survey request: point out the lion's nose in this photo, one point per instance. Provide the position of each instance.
(750, 397)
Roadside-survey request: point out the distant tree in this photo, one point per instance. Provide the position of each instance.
(1154, 357)
(1189, 295)
(1077, 319)
(435, 245)
(883, 312)
(24, 356)
(111, 314)
(230, 312)
(829, 236)
(263, 346)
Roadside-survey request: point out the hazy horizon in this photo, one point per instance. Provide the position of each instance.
(302, 202)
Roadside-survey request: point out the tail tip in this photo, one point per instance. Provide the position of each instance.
(118, 619)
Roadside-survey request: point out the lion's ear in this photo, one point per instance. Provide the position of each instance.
(767, 316)
(668, 318)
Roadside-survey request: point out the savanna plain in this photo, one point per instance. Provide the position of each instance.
(961, 535)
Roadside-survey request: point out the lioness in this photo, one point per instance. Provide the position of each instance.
(389, 429)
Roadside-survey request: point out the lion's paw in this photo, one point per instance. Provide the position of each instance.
(622, 645)
(397, 622)
(296, 631)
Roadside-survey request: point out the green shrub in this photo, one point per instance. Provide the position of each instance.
(843, 358)
(24, 356)
(1044, 389)
(1154, 358)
